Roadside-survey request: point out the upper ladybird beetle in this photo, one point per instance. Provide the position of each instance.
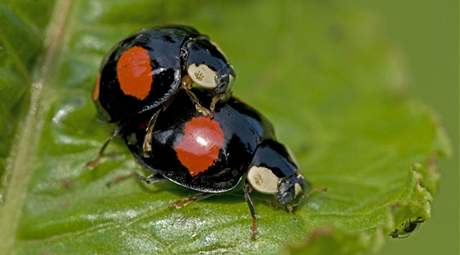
(213, 155)
(143, 72)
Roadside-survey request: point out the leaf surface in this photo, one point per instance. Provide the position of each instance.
(320, 70)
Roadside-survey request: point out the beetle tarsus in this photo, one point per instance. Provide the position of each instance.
(252, 209)
(188, 200)
(147, 180)
(216, 99)
(187, 86)
(95, 162)
(147, 145)
(201, 109)
(151, 179)
(119, 179)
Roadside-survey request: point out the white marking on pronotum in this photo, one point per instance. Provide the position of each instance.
(202, 75)
(297, 189)
(263, 180)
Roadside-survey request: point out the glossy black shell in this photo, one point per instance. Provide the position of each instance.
(161, 43)
(243, 127)
(171, 49)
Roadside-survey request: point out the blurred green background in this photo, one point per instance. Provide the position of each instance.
(427, 34)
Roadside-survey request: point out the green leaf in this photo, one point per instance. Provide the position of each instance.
(21, 41)
(320, 70)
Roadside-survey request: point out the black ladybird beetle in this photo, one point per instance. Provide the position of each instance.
(213, 154)
(144, 71)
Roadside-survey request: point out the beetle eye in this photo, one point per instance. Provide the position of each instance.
(202, 75)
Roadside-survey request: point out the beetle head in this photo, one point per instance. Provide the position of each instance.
(274, 171)
(207, 66)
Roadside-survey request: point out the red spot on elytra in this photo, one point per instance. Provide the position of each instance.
(134, 72)
(200, 144)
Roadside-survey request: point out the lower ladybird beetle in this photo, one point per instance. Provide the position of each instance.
(212, 155)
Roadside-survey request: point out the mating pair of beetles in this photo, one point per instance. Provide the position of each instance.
(168, 90)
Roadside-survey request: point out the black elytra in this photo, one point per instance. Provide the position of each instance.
(184, 139)
(144, 71)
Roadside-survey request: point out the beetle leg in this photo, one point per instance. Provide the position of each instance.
(216, 100)
(252, 209)
(187, 86)
(151, 179)
(201, 109)
(188, 200)
(93, 163)
(147, 145)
